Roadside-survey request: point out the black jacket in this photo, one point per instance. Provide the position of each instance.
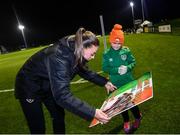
(49, 72)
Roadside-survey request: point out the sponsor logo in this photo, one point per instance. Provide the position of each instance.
(30, 100)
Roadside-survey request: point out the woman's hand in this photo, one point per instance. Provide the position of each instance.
(101, 116)
(110, 87)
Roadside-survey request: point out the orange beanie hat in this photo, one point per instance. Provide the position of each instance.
(117, 33)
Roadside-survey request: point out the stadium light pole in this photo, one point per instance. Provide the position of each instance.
(21, 27)
(142, 6)
(132, 8)
(103, 32)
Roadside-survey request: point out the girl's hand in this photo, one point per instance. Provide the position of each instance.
(122, 70)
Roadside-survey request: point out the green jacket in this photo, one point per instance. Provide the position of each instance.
(113, 59)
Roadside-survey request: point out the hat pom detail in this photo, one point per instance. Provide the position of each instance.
(117, 27)
(116, 33)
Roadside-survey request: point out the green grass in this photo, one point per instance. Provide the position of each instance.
(9, 65)
(154, 52)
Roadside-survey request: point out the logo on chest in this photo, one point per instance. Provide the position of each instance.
(124, 57)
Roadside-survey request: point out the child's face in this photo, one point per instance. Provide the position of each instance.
(116, 45)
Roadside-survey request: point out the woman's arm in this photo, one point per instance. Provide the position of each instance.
(97, 79)
(59, 76)
(92, 76)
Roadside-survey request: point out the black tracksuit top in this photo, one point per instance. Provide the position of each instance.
(49, 73)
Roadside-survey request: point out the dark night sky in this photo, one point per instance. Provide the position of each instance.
(47, 21)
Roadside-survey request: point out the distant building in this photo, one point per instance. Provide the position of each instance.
(164, 28)
(147, 26)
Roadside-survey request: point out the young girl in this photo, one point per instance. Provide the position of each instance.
(118, 62)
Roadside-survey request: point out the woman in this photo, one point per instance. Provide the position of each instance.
(45, 78)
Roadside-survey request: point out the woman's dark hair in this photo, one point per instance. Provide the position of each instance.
(83, 39)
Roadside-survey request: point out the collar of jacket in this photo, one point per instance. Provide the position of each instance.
(68, 42)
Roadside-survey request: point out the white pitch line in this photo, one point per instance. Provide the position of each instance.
(81, 80)
(1, 91)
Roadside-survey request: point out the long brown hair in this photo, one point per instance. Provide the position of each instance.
(83, 39)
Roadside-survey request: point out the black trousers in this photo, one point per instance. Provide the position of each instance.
(135, 111)
(33, 112)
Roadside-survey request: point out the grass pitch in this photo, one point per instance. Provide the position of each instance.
(153, 52)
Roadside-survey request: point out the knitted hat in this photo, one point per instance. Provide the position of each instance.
(116, 33)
